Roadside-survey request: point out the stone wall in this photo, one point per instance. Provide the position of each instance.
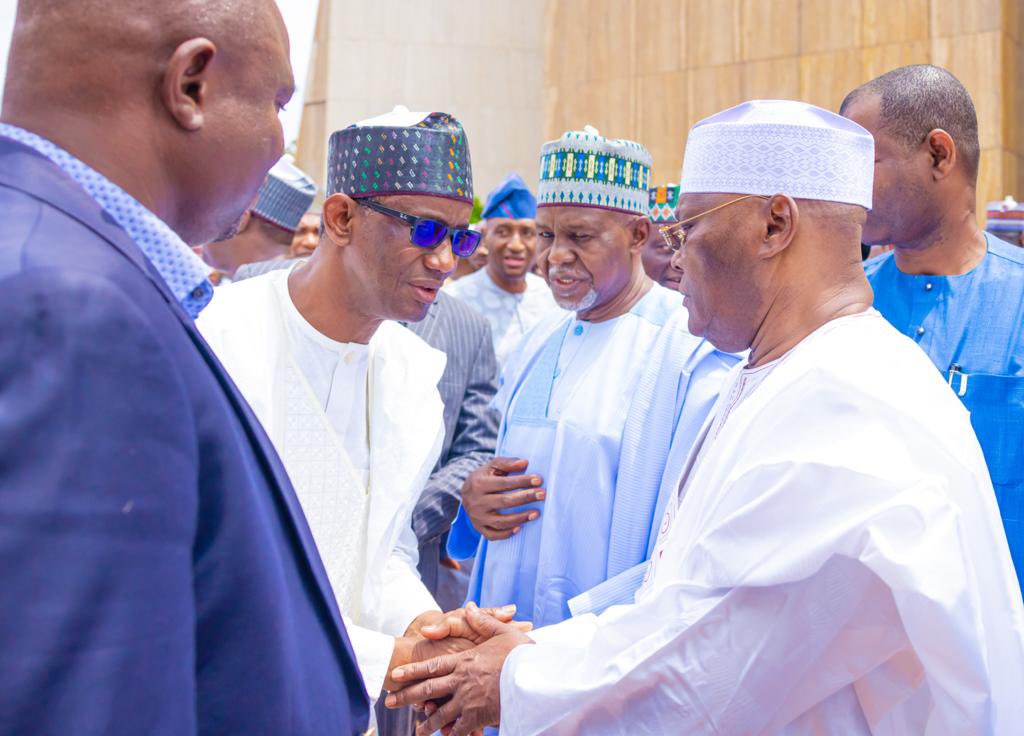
(481, 61)
(649, 69)
(519, 72)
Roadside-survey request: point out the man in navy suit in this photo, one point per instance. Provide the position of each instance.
(156, 573)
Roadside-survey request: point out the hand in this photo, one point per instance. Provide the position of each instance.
(442, 625)
(433, 633)
(469, 680)
(416, 649)
(492, 488)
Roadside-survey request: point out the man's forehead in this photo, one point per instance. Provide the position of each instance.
(864, 110)
(697, 202)
(569, 216)
(510, 222)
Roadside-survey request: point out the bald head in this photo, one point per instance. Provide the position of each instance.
(175, 101)
(926, 156)
(915, 100)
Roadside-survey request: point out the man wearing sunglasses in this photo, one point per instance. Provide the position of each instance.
(570, 500)
(348, 396)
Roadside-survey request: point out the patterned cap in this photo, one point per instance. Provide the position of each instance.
(511, 199)
(663, 202)
(401, 152)
(1006, 216)
(285, 196)
(585, 169)
(780, 147)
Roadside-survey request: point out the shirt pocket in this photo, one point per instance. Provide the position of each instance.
(996, 404)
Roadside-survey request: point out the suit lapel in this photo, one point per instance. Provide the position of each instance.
(25, 170)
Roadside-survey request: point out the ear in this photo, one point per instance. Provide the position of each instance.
(186, 82)
(640, 230)
(782, 218)
(942, 150)
(243, 223)
(337, 219)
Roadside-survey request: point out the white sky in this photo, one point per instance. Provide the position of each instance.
(299, 15)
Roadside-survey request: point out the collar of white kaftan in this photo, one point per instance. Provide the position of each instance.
(296, 318)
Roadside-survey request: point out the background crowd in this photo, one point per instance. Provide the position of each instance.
(591, 454)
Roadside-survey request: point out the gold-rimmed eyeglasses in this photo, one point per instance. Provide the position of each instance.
(675, 237)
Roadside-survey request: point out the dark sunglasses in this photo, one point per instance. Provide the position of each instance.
(425, 232)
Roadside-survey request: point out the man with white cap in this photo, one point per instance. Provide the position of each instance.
(266, 231)
(564, 507)
(348, 396)
(800, 585)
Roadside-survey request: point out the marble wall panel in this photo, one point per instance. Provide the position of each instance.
(662, 121)
(660, 35)
(772, 79)
(957, 17)
(880, 59)
(712, 33)
(769, 30)
(894, 21)
(976, 60)
(825, 79)
(711, 90)
(830, 25)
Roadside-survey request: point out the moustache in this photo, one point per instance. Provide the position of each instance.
(566, 273)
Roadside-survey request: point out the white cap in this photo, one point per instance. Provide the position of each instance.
(399, 117)
(780, 147)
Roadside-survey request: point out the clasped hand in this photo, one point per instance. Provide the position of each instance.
(457, 682)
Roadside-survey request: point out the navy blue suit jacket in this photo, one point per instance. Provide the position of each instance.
(156, 572)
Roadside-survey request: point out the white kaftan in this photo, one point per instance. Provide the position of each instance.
(836, 565)
(357, 467)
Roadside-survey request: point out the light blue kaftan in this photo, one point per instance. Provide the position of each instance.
(594, 408)
(972, 327)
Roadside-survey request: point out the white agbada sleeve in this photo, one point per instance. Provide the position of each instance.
(373, 652)
(405, 596)
(876, 591)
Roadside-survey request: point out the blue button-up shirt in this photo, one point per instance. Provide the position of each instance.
(181, 269)
(972, 327)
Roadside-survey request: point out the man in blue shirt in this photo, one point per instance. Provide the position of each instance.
(156, 570)
(954, 289)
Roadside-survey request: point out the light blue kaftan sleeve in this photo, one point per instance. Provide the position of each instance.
(686, 377)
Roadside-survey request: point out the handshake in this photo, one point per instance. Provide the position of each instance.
(449, 665)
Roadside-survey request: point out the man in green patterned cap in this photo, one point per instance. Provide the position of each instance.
(555, 513)
(657, 255)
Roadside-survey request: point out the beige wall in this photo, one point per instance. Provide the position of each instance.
(479, 60)
(649, 69)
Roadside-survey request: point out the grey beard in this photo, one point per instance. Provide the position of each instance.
(581, 305)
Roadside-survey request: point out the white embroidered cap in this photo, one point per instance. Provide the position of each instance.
(780, 147)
